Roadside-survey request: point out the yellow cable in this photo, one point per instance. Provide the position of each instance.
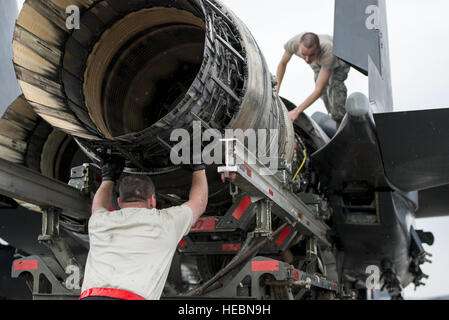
(301, 166)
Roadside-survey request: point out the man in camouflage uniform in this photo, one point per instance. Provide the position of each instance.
(330, 73)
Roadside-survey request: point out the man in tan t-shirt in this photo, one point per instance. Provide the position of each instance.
(330, 72)
(131, 249)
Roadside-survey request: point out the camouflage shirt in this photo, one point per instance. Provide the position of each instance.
(325, 59)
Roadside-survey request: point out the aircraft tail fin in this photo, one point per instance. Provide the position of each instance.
(361, 39)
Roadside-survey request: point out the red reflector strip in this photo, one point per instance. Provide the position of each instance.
(204, 224)
(182, 243)
(26, 265)
(231, 247)
(296, 274)
(271, 265)
(111, 208)
(271, 192)
(249, 173)
(241, 208)
(284, 234)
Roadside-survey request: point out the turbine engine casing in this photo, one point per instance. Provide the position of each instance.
(136, 70)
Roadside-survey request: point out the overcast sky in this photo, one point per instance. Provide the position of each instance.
(418, 32)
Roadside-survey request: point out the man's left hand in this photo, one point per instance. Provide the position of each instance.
(112, 168)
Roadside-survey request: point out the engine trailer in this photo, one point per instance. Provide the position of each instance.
(265, 209)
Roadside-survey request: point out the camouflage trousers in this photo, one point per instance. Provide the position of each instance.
(335, 93)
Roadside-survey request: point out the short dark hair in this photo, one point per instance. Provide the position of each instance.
(310, 40)
(135, 188)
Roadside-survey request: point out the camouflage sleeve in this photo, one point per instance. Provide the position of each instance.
(328, 61)
(292, 46)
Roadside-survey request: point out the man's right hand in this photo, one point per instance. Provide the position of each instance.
(293, 115)
(112, 168)
(277, 88)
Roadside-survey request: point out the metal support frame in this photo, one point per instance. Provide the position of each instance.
(86, 178)
(256, 179)
(211, 225)
(21, 183)
(51, 238)
(247, 283)
(313, 260)
(263, 217)
(273, 195)
(53, 197)
(42, 275)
